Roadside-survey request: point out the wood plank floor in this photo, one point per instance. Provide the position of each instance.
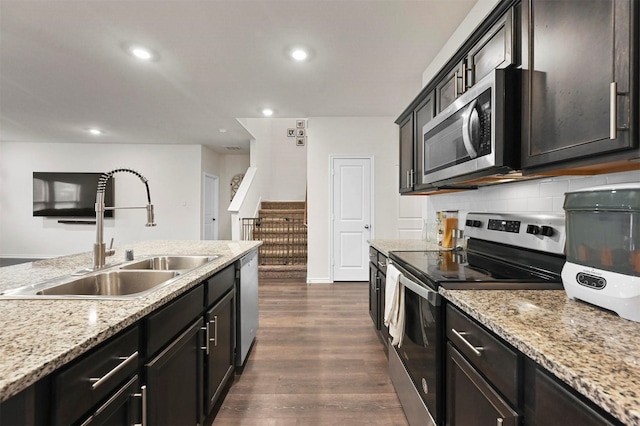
(316, 361)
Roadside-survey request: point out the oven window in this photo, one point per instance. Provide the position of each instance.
(419, 350)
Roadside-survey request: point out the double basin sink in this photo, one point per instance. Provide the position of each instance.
(129, 280)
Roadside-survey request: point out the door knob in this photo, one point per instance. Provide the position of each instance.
(213, 219)
(366, 227)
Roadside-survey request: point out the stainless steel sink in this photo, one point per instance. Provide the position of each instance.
(170, 263)
(112, 284)
(126, 281)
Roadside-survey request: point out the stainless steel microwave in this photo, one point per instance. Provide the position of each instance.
(476, 136)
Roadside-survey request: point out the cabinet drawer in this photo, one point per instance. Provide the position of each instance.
(219, 284)
(89, 380)
(168, 321)
(373, 255)
(382, 263)
(497, 362)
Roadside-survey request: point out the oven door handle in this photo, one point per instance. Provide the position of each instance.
(424, 292)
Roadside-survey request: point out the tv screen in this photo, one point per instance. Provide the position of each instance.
(68, 194)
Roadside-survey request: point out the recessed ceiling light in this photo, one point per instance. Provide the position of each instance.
(267, 112)
(299, 54)
(222, 130)
(95, 131)
(142, 53)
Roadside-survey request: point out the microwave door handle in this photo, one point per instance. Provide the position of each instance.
(466, 129)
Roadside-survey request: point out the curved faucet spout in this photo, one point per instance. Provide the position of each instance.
(100, 252)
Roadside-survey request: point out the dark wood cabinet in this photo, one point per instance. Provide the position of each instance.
(79, 388)
(579, 80)
(450, 86)
(174, 381)
(489, 382)
(422, 114)
(407, 170)
(551, 403)
(219, 348)
(471, 400)
(123, 408)
(377, 282)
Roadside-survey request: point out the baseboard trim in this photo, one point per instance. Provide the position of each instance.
(319, 281)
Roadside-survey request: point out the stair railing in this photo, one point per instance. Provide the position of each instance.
(284, 239)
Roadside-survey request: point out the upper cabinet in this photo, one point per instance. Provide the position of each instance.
(578, 82)
(495, 49)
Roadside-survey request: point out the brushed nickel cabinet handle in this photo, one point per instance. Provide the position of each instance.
(143, 403)
(613, 110)
(97, 381)
(460, 334)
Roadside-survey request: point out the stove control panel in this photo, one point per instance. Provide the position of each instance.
(544, 232)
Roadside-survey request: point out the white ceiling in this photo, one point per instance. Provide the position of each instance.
(63, 66)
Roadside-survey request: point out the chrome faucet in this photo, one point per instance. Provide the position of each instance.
(100, 252)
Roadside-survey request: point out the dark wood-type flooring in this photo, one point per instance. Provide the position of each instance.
(316, 361)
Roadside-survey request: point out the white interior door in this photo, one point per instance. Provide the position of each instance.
(351, 217)
(210, 217)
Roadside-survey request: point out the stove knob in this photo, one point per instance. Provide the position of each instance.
(533, 229)
(477, 224)
(547, 231)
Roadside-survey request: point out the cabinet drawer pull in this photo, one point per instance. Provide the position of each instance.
(215, 330)
(143, 403)
(206, 339)
(499, 421)
(460, 334)
(100, 380)
(613, 107)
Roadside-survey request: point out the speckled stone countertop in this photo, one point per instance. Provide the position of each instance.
(594, 351)
(386, 246)
(39, 336)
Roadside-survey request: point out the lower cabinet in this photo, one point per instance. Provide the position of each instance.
(489, 382)
(549, 402)
(175, 381)
(170, 368)
(219, 348)
(471, 400)
(377, 283)
(123, 408)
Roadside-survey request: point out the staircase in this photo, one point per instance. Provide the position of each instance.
(281, 227)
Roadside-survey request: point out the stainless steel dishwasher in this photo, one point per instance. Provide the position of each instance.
(247, 306)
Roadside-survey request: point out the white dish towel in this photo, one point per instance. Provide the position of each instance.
(394, 305)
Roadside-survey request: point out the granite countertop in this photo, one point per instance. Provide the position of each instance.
(594, 351)
(39, 336)
(389, 245)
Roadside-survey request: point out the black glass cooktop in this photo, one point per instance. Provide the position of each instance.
(471, 270)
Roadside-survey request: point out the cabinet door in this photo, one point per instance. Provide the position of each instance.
(423, 114)
(576, 50)
(494, 50)
(122, 408)
(174, 381)
(374, 295)
(470, 398)
(549, 403)
(406, 155)
(220, 348)
(449, 88)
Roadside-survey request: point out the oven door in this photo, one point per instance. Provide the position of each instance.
(414, 366)
(466, 137)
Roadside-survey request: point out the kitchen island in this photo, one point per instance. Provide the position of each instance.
(40, 336)
(594, 351)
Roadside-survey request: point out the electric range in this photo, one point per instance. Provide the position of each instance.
(503, 251)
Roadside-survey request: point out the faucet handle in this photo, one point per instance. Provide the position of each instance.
(110, 251)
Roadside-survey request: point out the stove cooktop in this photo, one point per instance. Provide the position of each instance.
(506, 251)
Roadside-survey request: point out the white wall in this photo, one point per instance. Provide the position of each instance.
(224, 167)
(173, 171)
(367, 136)
(278, 156)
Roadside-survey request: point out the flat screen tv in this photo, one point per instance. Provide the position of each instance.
(68, 194)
